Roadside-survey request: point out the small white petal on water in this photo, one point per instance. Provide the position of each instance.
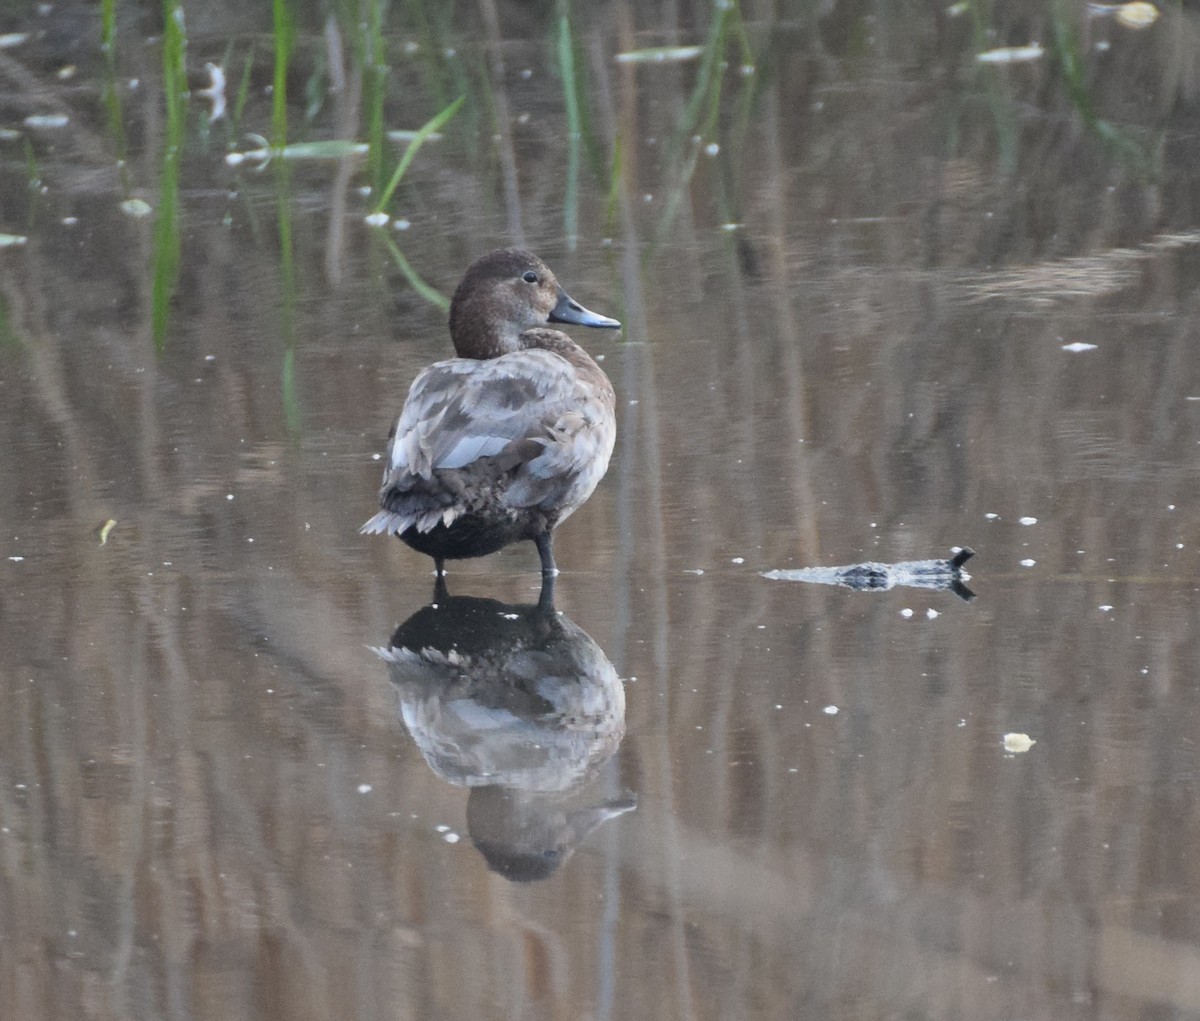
(47, 120)
(137, 208)
(1028, 562)
(1016, 744)
(1011, 54)
(906, 612)
(1079, 345)
(830, 710)
(1027, 521)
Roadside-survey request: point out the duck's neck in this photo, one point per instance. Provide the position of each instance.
(491, 339)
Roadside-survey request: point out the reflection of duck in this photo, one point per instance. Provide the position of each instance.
(503, 442)
(519, 704)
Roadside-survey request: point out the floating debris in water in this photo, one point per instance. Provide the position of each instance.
(137, 208)
(103, 531)
(376, 219)
(66, 72)
(830, 710)
(8, 240)
(329, 149)
(992, 516)
(875, 577)
(1028, 562)
(1135, 15)
(10, 39)
(411, 135)
(47, 120)
(1017, 744)
(364, 788)
(215, 92)
(659, 55)
(1011, 54)
(1079, 345)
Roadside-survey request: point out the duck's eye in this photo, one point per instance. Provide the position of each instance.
(530, 277)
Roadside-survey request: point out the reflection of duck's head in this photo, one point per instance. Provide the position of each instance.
(501, 694)
(527, 837)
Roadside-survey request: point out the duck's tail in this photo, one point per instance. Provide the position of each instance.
(386, 523)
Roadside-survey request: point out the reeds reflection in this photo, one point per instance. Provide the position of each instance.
(519, 704)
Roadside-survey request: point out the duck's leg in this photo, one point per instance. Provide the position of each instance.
(440, 592)
(545, 548)
(439, 566)
(545, 603)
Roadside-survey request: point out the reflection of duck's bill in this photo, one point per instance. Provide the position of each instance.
(568, 310)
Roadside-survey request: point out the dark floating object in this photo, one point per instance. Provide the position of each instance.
(519, 704)
(505, 441)
(873, 577)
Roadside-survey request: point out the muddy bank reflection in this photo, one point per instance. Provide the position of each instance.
(518, 703)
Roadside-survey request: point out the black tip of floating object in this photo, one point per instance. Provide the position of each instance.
(956, 584)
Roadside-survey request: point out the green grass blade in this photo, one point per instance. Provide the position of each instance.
(423, 133)
(566, 66)
(167, 245)
(430, 294)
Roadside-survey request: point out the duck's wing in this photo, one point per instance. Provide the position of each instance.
(461, 410)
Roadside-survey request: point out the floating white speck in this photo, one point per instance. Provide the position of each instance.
(451, 837)
(830, 710)
(1028, 562)
(10, 39)
(659, 55)
(441, 828)
(738, 560)
(906, 613)
(1011, 54)
(1027, 521)
(16, 560)
(712, 148)
(47, 120)
(932, 614)
(693, 570)
(1079, 345)
(992, 517)
(1104, 608)
(376, 219)
(402, 225)
(9, 240)
(1016, 744)
(137, 208)
(376, 457)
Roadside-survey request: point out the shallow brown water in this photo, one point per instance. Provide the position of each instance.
(855, 339)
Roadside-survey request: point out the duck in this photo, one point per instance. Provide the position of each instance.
(503, 442)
